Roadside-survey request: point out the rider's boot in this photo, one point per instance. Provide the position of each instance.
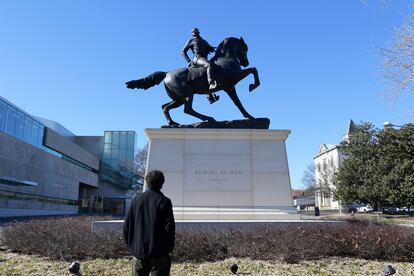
(211, 81)
(212, 98)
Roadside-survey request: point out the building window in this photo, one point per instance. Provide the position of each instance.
(11, 120)
(35, 133)
(3, 114)
(38, 198)
(19, 126)
(117, 165)
(27, 129)
(324, 164)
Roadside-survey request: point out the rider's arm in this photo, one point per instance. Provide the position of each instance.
(185, 49)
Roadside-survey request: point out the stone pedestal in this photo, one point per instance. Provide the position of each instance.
(223, 174)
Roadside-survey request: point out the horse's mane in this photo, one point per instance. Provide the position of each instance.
(223, 45)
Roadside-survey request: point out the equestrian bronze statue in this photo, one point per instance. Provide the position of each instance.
(182, 84)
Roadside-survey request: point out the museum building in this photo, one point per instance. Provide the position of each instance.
(45, 169)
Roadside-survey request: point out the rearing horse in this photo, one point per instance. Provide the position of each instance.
(183, 83)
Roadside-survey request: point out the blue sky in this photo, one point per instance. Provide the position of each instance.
(318, 63)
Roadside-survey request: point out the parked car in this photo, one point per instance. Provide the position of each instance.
(365, 209)
(359, 208)
(398, 210)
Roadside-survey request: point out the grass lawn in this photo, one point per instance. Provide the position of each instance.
(397, 219)
(16, 264)
(400, 219)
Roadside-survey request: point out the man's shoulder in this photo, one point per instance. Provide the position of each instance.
(191, 41)
(162, 200)
(152, 193)
(165, 202)
(140, 197)
(144, 198)
(164, 197)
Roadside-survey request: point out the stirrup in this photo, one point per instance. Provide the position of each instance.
(212, 85)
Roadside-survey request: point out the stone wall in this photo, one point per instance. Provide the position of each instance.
(55, 178)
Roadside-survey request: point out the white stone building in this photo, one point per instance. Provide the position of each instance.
(327, 162)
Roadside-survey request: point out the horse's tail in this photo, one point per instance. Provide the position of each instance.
(147, 82)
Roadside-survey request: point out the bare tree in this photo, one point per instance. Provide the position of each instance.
(398, 63)
(308, 180)
(327, 180)
(140, 164)
(141, 160)
(397, 67)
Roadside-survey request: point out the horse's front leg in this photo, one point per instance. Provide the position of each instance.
(233, 96)
(256, 83)
(239, 75)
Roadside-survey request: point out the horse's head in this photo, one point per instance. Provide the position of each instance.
(242, 53)
(234, 47)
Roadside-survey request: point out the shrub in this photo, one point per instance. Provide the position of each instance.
(63, 238)
(71, 238)
(294, 242)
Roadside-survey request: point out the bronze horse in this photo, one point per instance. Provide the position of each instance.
(183, 83)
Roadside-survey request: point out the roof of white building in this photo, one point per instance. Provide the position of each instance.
(324, 148)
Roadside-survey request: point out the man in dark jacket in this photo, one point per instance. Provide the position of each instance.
(149, 228)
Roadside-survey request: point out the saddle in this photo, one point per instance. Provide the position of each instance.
(195, 72)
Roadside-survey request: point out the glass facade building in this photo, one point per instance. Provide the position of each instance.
(68, 174)
(20, 125)
(117, 166)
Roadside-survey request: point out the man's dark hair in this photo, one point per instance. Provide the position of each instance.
(155, 179)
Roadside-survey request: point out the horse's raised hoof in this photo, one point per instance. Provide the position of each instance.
(252, 87)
